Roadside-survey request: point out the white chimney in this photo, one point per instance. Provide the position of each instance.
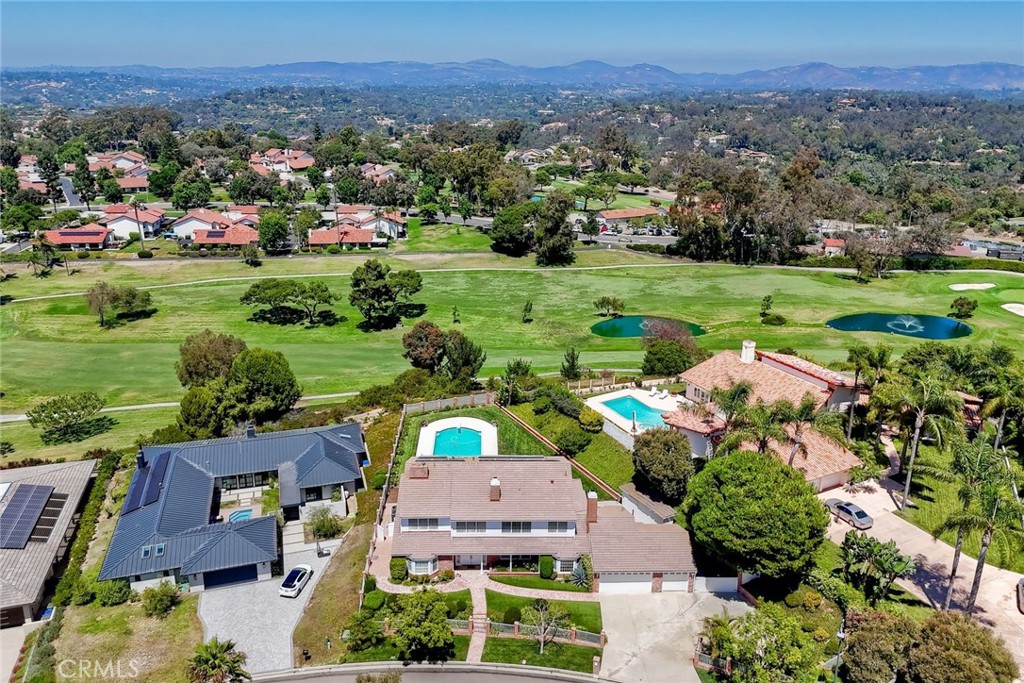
(495, 489)
(747, 354)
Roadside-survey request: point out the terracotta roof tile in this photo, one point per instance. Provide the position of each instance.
(87, 234)
(807, 367)
(821, 457)
(235, 235)
(684, 419)
(725, 369)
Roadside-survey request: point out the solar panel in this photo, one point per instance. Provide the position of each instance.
(48, 518)
(21, 514)
(133, 500)
(215, 233)
(156, 477)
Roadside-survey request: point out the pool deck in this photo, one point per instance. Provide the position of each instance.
(488, 434)
(665, 405)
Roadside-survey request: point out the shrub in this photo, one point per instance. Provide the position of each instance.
(573, 440)
(370, 584)
(820, 635)
(547, 567)
(145, 253)
(81, 254)
(324, 523)
(459, 608)
(116, 592)
(399, 572)
(204, 252)
(159, 600)
(85, 591)
(541, 405)
(649, 248)
(374, 600)
(378, 480)
(332, 249)
(591, 420)
(446, 575)
(96, 254)
(775, 319)
(512, 615)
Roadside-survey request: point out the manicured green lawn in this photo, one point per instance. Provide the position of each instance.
(936, 500)
(539, 583)
(512, 439)
(556, 655)
(442, 237)
(605, 457)
(585, 615)
(55, 346)
(622, 201)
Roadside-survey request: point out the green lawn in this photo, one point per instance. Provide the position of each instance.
(55, 346)
(584, 615)
(539, 583)
(442, 237)
(936, 500)
(556, 655)
(512, 439)
(622, 201)
(605, 457)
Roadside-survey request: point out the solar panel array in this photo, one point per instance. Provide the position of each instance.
(215, 233)
(147, 483)
(48, 518)
(156, 478)
(21, 514)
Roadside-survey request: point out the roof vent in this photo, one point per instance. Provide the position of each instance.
(495, 489)
(250, 431)
(419, 472)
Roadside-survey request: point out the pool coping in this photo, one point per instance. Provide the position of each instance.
(488, 435)
(665, 405)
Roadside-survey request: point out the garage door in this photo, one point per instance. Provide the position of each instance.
(12, 616)
(227, 577)
(626, 583)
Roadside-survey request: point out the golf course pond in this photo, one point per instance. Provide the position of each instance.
(920, 326)
(640, 326)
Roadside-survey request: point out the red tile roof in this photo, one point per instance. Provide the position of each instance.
(691, 421)
(819, 457)
(619, 214)
(807, 367)
(769, 384)
(87, 234)
(135, 183)
(147, 215)
(207, 216)
(337, 235)
(243, 208)
(357, 236)
(235, 235)
(299, 164)
(834, 242)
(353, 208)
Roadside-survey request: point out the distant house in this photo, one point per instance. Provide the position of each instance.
(39, 509)
(88, 237)
(833, 246)
(378, 173)
(283, 160)
(116, 160)
(133, 184)
(171, 528)
(124, 220)
(244, 214)
(365, 217)
(201, 219)
(620, 216)
(236, 235)
(349, 238)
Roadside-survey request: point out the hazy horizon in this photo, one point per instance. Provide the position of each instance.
(722, 37)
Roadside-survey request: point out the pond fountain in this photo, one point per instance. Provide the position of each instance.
(639, 326)
(920, 326)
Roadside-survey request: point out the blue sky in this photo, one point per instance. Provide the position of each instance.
(722, 36)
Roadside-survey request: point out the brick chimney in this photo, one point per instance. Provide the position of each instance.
(495, 489)
(591, 508)
(747, 355)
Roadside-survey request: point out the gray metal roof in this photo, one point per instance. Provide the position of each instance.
(179, 518)
(24, 570)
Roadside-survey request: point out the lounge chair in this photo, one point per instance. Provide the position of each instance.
(663, 395)
(654, 392)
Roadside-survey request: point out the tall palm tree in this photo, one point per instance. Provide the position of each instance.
(973, 466)
(760, 423)
(856, 360)
(134, 203)
(217, 661)
(1004, 392)
(808, 415)
(731, 402)
(933, 407)
(877, 362)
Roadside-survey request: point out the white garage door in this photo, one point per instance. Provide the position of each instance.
(675, 582)
(625, 583)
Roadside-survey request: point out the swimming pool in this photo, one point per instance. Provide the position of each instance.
(458, 441)
(240, 515)
(646, 416)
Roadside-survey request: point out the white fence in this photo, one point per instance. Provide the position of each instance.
(715, 584)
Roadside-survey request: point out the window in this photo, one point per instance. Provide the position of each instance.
(313, 494)
(470, 527)
(421, 523)
(558, 527)
(700, 394)
(566, 566)
(229, 483)
(516, 527)
(159, 549)
(422, 567)
(146, 550)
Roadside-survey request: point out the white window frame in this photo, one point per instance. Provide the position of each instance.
(422, 567)
(558, 527)
(561, 566)
(516, 527)
(470, 527)
(422, 523)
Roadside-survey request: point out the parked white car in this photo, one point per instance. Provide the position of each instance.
(295, 581)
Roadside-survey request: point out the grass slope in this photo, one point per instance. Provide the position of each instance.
(556, 655)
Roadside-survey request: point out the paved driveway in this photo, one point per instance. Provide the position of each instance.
(997, 602)
(650, 637)
(257, 618)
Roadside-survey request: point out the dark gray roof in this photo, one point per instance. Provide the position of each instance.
(179, 518)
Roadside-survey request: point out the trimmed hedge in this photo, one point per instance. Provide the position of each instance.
(547, 567)
(648, 248)
(145, 253)
(399, 571)
(374, 600)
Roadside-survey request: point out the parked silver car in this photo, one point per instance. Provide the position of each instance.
(850, 513)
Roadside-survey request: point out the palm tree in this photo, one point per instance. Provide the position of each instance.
(1005, 394)
(973, 466)
(856, 360)
(760, 423)
(134, 203)
(934, 408)
(877, 363)
(217, 661)
(731, 402)
(806, 415)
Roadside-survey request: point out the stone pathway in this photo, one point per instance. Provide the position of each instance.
(479, 635)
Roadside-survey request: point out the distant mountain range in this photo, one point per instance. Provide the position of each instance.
(581, 75)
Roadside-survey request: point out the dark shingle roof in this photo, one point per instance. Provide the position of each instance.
(179, 518)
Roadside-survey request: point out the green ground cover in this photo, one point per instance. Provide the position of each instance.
(443, 237)
(556, 655)
(387, 652)
(55, 346)
(539, 583)
(512, 439)
(935, 500)
(585, 615)
(605, 456)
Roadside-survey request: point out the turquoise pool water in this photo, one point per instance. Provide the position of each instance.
(639, 326)
(920, 326)
(240, 515)
(458, 441)
(646, 416)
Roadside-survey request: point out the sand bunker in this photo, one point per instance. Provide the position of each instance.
(965, 286)
(1015, 308)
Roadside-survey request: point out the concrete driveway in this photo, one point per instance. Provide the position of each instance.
(997, 601)
(257, 618)
(651, 636)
